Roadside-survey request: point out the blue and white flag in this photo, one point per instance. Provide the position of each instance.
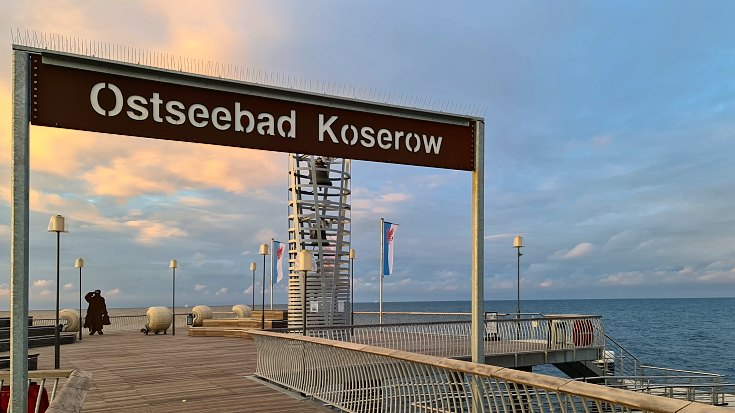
(389, 233)
(277, 261)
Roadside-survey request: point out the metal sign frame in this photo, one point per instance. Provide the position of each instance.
(28, 100)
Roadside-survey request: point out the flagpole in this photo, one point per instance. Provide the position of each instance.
(382, 265)
(272, 273)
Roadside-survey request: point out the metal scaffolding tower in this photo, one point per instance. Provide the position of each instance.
(319, 221)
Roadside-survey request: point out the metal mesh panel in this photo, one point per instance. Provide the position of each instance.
(319, 221)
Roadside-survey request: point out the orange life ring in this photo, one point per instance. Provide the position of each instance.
(583, 333)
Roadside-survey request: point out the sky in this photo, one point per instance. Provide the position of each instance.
(609, 132)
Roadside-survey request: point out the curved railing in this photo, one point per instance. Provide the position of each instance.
(452, 338)
(361, 378)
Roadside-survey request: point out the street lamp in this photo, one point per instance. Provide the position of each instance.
(263, 251)
(252, 268)
(518, 244)
(57, 225)
(304, 263)
(353, 255)
(79, 263)
(173, 265)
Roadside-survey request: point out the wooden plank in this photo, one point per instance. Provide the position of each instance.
(132, 372)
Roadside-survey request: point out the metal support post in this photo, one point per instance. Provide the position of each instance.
(262, 313)
(477, 335)
(380, 273)
(81, 322)
(173, 301)
(57, 347)
(19, 234)
(478, 250)
(303, 303)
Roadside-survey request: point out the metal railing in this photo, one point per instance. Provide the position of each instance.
(617, 361)
(120, 322)
(622, 369)
(694, 387)
(392, 317)
(47, 382)
(451, 338)
(360, 378)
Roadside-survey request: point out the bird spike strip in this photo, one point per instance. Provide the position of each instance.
(167, 61)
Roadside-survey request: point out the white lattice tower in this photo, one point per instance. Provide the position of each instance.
(319, 221)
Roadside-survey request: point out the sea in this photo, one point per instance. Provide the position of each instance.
(696, 334)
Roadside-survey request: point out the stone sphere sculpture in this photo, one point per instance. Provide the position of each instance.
(242, 311)
(201, 313)
(72, 320)
(158, 318)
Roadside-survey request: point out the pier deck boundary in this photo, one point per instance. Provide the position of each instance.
(132, 372)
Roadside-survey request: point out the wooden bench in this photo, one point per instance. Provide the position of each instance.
(32, 362)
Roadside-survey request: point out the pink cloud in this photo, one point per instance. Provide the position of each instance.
(580, 250)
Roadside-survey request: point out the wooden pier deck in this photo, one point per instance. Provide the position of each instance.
(133, 372)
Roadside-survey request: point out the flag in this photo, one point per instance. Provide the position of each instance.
(277, 261)
(389, 233)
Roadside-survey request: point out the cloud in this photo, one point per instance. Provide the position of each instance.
(727, 277)
(221, 291)
(626, 239)
(195, 201)
(150, 232)
(198, 259)
(580, 250)
(113, 292)
(366, 202)
(68, 287)
(158, 169)
(4, 290)
(264, 235)
(623, 279)
(43, 283)
(45, 292)
(394, 197)
(547, 283)
(503, 236)
(498, 236)
(200, 287)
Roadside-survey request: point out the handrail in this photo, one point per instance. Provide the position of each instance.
(42, 377)
(666, 369)
(451, 338)
(363, 378)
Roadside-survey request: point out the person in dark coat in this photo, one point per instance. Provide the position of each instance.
(96, 310)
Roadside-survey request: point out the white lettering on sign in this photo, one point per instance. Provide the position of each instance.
(385, 138)
(240, 119)
(175, 112)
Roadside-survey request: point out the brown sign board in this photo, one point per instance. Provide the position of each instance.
(91, 100)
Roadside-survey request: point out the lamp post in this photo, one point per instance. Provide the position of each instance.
(57, 225)
(252, 268)
(304, 263)
(263, 251)
(353, 255)
(173, 265)
(79, 263)
(518, 244)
